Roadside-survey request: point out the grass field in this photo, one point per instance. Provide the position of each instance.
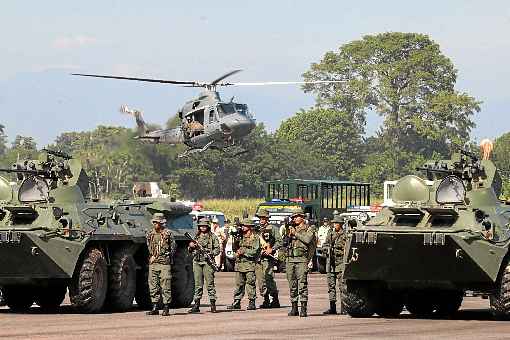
(232, 208)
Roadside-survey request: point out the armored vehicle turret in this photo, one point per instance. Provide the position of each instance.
(55, 237)
(447, 233)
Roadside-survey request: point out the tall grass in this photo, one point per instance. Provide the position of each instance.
(232, 208)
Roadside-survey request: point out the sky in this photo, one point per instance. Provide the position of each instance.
(42, 42)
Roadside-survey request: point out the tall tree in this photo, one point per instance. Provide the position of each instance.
(3, 140)
(406, 79)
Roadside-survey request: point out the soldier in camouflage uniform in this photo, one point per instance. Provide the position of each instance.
(161, 245)
(299, 240)
(334, 248)
(201, 269)
(247, 254)
(271, 241)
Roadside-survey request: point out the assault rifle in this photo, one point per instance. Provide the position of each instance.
(58, 154)
(208, 258)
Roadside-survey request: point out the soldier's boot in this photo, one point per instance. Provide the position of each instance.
(303, 313)
(276, 302)
(332, 308)
(154, 310)
(213, 306)
(266, 303)
(195, 308)
(251, 305)
(236, 305)
(293, 309)
(166, 310)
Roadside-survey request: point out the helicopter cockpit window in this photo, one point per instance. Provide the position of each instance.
(242, 109)
(212, 116)
(33, 189)
(226, 109)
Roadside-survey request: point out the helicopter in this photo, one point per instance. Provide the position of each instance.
(207, 122)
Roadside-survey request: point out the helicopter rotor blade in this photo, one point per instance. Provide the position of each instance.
(216, 81)
(282, 83)
(150, 80)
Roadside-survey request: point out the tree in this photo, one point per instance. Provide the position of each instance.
(501, 157)
(406, 79)
(331, 134)
(3, 140)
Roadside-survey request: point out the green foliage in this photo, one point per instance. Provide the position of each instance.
(501, 157)
(406, 79)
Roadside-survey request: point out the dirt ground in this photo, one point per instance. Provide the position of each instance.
(474, 321)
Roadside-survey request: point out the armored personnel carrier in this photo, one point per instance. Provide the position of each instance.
(446, 234)
(54, 237)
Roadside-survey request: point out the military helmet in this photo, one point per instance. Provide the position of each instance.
(298, 212)
(263, 213)
(248, 222)
(159, 218)
(204, 222)
(338, 219)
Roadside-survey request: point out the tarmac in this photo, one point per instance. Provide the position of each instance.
(473, 321)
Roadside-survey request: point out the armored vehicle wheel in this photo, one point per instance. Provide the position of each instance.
(90, 282)
(448, 302)
(19, 298)
(420, 304)
(51, 298)
(358, 300)
(183, 283)
(500, 300)
(121, 281)
(142, 295)
(391, 304)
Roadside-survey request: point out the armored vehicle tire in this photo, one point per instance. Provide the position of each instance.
(391, 304)
(183, 282)
(358, 300)
(50, 298)
(121, 281)
(90, 282)
(448, 302)
(19, 298)
(500, 300)
(420, 304)
(142, 295)
(229, 265)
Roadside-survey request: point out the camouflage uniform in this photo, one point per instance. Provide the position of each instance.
(334, 247)
(161, 247)
(298, 255)
(203, 270)
(249, 245)
(264, 272)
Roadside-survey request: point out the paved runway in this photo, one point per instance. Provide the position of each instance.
(474, 321)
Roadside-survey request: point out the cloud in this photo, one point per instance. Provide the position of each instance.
(73, 41)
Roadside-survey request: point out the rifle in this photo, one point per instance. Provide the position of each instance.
(208, 258)
(58, 154)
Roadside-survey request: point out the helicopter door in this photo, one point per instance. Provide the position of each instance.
(213, 116)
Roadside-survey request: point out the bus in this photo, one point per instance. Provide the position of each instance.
(318, 198)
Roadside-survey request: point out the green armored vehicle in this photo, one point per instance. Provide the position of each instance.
(447, 234)
(54, 237)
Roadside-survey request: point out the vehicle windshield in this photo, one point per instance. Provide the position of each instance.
(242, 109)
(226, 109)
(279, 209)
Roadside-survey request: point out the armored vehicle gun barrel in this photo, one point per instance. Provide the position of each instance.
(43, 173)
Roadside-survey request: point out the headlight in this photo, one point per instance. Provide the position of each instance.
(363, 217)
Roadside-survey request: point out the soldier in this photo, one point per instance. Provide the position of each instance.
(161, 245)
(299, 239)
(271, 241)
(246, 256)
(201, 269)
(334, 248)
(220, 234)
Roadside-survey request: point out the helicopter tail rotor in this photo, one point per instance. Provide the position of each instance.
(140, 123)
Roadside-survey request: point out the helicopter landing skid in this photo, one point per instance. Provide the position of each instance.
(192, 151)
